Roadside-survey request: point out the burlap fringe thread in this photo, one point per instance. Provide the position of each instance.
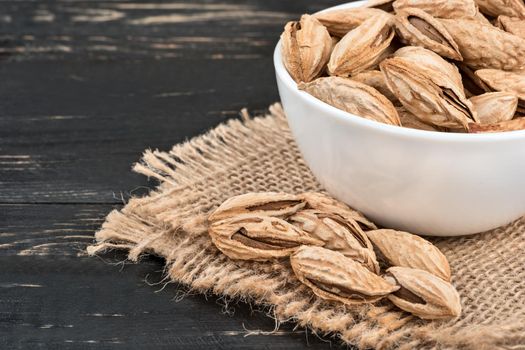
(259, 154)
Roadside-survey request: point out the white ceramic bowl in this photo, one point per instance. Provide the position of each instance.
(423, 182)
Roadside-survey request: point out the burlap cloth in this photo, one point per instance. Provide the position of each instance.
(259, 154)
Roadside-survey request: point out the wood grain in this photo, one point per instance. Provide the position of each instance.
(86, 303)
(49, 230)
(108, 30)
(53, 296)
(102, 116)
(86, 87)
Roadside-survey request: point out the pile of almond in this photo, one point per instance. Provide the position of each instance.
(336, 251)
(438, 65)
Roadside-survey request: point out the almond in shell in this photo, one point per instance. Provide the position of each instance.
(353, 97)
(499, 80)
(430, 96)
(275, 204)
(340, 22)
(485, 46)
(440, 8)
(495, 8)
(333, 276)
(495, 107)
(417, 28)
(256, 237)
(322, 202)
(362, 47)
(338, 234)
(423, 294)
(433, 63)
(400, 248)
(306, 47)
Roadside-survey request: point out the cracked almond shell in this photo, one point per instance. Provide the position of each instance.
(423, 294)
(353, 97)
(256, 237)
(495, 107)
(485, 46)
(430, 96)
(400, 248)
(321, 202)
(333, 276)
(275, 204)
(362, 47)
(338, 234)
(340, 22)
(306, 47)
(440, 8)
(500, 80)
(418, 28)
(433, 63)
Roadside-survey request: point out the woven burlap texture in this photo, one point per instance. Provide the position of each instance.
(259, 154)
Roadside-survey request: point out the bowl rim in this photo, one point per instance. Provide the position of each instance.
(349, 118)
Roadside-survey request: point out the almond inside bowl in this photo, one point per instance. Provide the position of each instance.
(426, 182)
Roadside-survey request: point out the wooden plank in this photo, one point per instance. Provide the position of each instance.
(49, 230)
(106, 30)
(76, 114)
(86, 87)
(53, 296)
(77, 139)
(82, 303)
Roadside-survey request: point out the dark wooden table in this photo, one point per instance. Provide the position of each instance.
(85, 87)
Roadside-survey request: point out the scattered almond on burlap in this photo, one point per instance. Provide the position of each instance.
(408, 52)
(423, 294)
(333, 276)
(336, 252)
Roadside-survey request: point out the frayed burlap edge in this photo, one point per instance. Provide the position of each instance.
(259, 154)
